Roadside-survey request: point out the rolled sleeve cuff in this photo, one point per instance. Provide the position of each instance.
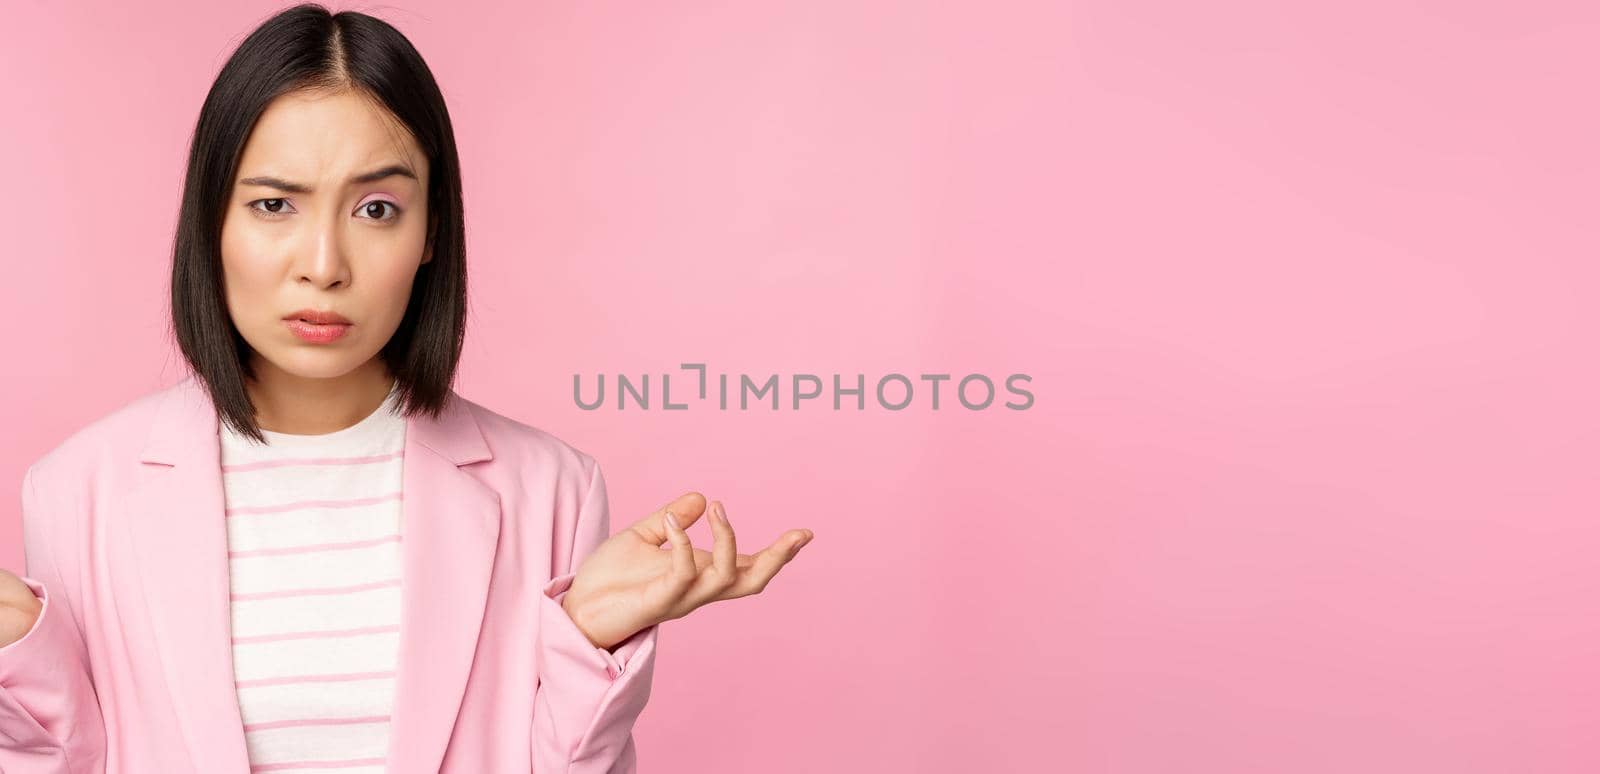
(589, 698)
(561, 632)
(47, 698)
(40, 650)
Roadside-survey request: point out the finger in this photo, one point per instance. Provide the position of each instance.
(688, 507)
(724, 570)
(683, 570)
(767, 563)
(704, 558)
(725, 549)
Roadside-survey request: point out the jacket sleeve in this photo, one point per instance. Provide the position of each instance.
(50, 721)
(587, 698)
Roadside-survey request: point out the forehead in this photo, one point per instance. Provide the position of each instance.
(321, 137)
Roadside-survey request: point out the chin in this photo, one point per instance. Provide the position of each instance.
(317, 362)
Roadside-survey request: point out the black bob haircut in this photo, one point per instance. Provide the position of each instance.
(306, 47)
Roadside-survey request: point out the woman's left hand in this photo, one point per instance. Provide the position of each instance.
(629, 583)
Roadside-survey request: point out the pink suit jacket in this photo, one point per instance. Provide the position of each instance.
(129, 667)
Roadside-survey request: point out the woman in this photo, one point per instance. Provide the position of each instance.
(312, 554)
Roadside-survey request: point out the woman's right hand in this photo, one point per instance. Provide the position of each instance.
(19, 608)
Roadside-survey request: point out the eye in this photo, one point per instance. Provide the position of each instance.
(375, 210)
(273, 207)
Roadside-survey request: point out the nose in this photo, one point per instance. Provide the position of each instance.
(325, 262)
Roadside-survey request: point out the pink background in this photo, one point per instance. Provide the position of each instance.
(1306, 294)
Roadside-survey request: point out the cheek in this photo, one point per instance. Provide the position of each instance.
(246, 269)
(391, 282)
(395, 268)
(251, 272)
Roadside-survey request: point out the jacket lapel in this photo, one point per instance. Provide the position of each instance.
(450, 527)
(178, 533)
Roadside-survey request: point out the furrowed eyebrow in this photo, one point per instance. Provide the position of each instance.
(365, 177)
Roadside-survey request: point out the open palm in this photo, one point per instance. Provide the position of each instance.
(631, 582)
(19, 608)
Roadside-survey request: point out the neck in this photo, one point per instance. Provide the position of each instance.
(288, 403)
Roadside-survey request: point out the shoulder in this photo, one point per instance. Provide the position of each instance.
(527, 446)
(112, 439)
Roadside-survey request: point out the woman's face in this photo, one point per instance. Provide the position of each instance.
(329, 213)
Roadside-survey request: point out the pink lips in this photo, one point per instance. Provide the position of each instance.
(317, 327)
(316, 333)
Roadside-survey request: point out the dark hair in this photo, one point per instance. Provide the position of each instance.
(307, 47)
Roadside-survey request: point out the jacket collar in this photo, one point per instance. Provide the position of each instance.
(186, 422)
(450, 526)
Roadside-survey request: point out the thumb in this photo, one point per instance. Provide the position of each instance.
(688, 508)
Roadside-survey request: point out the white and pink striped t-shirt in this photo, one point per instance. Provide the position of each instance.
(314, 561)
